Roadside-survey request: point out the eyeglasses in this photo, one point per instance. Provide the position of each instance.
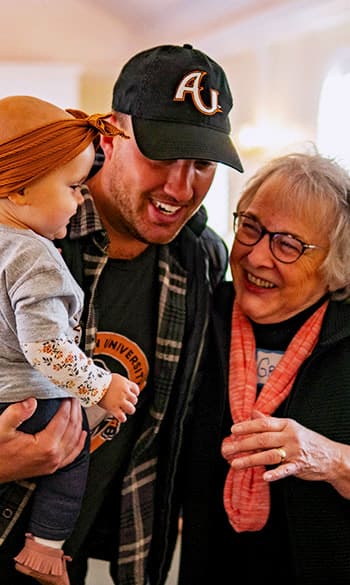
(284, 247)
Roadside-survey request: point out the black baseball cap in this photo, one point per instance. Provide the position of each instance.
(179, 100)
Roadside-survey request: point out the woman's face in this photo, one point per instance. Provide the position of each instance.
(267, 290)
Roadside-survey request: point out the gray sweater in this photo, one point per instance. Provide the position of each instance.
(40, 302)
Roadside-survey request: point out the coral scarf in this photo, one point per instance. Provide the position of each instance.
(246, 494)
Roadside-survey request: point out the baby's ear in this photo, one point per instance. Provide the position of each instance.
(18, 197)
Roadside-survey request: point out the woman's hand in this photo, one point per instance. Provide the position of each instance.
(23, 455)
(296, 450)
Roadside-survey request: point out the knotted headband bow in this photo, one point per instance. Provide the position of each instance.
(35, 153)
(97, 121)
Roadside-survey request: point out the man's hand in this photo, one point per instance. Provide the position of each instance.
(24, 456)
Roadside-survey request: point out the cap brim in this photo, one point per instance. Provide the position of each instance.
(172, 140)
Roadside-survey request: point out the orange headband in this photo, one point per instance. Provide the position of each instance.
(38, 152)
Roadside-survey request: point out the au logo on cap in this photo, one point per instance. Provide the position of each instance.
(191, 84)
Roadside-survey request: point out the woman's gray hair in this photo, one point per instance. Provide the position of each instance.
(314, 183)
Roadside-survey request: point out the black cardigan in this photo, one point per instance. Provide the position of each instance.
(315, 544)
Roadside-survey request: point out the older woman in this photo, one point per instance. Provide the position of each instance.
(276, 506)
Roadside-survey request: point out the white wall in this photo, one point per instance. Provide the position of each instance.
(59, 84)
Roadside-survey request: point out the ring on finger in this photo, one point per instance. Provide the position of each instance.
(282, 453)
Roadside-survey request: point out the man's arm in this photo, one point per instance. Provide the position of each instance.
(24, 456)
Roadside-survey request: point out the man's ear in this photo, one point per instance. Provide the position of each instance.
(106, 143)
(18, 197)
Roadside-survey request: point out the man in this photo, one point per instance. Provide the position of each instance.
(140, 249)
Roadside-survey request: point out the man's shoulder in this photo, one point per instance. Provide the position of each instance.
(196, 236)
(210, 240)
(199, 228)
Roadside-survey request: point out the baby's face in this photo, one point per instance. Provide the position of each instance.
(47, 204)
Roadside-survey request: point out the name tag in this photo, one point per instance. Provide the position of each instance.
(266, 362)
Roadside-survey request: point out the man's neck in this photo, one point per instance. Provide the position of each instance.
(123, 250)
(122, 245)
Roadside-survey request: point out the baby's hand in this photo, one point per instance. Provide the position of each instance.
(121, 397)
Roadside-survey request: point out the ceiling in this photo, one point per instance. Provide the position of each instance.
(99, 35)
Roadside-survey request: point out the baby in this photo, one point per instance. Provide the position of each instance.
(45, 156)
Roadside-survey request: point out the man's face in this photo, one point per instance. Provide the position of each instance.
(148, 201)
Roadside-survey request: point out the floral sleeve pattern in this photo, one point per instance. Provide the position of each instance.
(63, 363)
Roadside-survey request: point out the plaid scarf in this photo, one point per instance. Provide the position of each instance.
(246, 494)
(136, 519)
(86, 222)
(15, 498)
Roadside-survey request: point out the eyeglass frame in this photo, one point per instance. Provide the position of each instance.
(272, 235)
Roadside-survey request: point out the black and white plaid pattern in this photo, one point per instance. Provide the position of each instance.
(138, 486)
(13, 502)
(139, 481)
